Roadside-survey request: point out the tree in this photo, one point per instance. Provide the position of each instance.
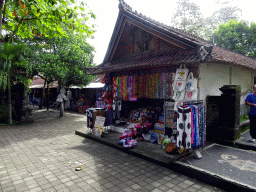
(32, 18)
(223, 15)
(188, 17)
(238, 36)
(13, 66)
(63, 59)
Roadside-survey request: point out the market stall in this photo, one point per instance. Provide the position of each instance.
(175, 118)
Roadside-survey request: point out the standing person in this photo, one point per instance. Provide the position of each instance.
(251, 101)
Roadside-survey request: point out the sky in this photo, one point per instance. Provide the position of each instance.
(159, 10)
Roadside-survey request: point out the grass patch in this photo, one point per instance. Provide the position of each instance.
(244, 118)
(245, 128)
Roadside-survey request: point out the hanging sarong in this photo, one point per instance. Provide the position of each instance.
(201, 119)
(114, 88)
(125, 88)
(184, 126)
(108, 118)
(122, 87)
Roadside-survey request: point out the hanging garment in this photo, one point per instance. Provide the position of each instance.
(202, 127)
(114, 87)
(119, 108)
(114, 109)
(184, 126)
(108, 118)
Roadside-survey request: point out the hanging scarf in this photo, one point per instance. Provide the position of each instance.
(118, 89)
(114, 88)
(125, 88)
(121, 87)
(134, 90)
(163, 86)
(135, 87)
(155, 86)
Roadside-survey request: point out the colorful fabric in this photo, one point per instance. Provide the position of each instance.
(121, 87)
(114, 88)
(108, 118)
(202, 125)
(141, 87)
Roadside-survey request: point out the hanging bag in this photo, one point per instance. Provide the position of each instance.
(191, 88)
(191, 95)
(178, 95)
(181, 73)
(179, 85)
(191, 84)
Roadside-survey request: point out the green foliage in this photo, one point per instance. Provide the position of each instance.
(3, 114)
(14, 63)
(47, 18)
(238, 36)
(189, 18)
(63, 59)
(244, 118)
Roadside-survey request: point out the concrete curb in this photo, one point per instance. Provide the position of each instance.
(182, 168)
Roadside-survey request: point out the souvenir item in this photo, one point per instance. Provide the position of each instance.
(181, 73)
(191, 84)
(179, 85)
(191, 95)
(178, 95)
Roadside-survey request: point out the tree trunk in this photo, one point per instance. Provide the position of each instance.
(47, 99)
(61, 109)
(42, 96)
(9, 100)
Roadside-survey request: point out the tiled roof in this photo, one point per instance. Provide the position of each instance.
(224, 55)
(212, 54)
(146, 61)
(38, 82)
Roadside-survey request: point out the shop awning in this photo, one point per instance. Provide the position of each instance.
(90, 86)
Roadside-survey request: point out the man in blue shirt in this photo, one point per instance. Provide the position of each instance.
(251, 101)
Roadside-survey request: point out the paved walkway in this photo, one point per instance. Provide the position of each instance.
(42, 156)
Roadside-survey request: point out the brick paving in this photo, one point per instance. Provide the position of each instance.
(42, 156)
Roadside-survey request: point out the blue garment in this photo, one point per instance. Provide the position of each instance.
(251, 99)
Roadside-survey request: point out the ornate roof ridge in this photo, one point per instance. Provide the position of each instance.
(124, 5)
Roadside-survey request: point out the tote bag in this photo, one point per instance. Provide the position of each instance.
(178, 95)
(191, 95)
(179, 85)
(191, 84)
(181, 73)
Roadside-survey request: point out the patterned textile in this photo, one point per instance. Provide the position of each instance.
(202, 126)
(125, 88)
(153, 85)
(114, 88)
(163, 93)
(141, 86)
(122, 87)
(118, 88)
(184, 126)
(108, 118)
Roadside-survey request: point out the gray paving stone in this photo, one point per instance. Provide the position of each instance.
(36, 158)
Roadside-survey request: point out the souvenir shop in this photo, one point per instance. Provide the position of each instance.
(167, 101)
